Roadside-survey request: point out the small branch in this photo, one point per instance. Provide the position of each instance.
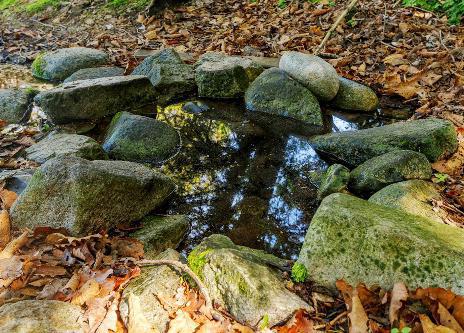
(334, 26)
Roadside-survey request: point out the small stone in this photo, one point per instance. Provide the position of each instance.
(140, 139)
(16, 104)
(166, 56)
(94, 73)
(313, 72)
(356, 97)
(389, 168)
(334, 180)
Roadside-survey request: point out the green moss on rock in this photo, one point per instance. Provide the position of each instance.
(334, 180)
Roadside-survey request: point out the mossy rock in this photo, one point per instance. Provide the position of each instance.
(94, 73)
(166, 56)
(16, 104)
(389, 168)
(355, 96)
(359, 241)
(334, 180)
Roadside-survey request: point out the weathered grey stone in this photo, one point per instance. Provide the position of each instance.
(166, 56)
(220, 76)
(94, 73)
(16, 180)
(87, 196)
(412, 196)
(15, 104)
(55, 145)
(140, 139)
(159, 233)
(334, 180)
(44, 316)
(355, 96)
(313, 72)
(93, 99)
(173, 82)
(275, 92)
(244, 281)
(435, 138)
(389, 168)
(58, 65)
(358, 241)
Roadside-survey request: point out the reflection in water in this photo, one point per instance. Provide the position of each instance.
(342, 122)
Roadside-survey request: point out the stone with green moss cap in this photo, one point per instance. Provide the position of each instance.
(435, 138)
(59, 64)
(389, 168)
(88, 196)
(244, 281)
(16, 104)
(355, 96)
(334, 180)
(358, 241)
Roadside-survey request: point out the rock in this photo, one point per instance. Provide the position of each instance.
(173, 82)
(16, 180)
(94, 73)
(245, 282)
(275, 92)
(219, 76)
(87, 196)
(389, 168)
(57, 145)
(166, 56)
(412, 196)
(358, 241)
(265, 62)
(159, 233)
(313, 72)
(41, 316)
(155, 283)
(354, 96)
(334, 180)
(93, 99)
(140, 139)
(58, 65)
(435, 138)
(16, 104)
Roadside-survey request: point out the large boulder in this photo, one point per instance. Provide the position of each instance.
(93, 99)
(389, 168)
(58, 65)
(87, 196)
(275, 92)
(412, 196)
(15, 104)
(313, 72)
(334, 180)
(355, 96)
(219, 76)
(41, 316)
(94, 73)
(245, 282)
(435, 138)
(140, 139)
(55, 145)
(358, 241)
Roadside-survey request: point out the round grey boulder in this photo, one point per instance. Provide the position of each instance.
(15, 104)
(94, 73)
(355, 96)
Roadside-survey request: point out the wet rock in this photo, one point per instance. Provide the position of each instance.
(412, 196)
(93, 99)
(140, 139)
(166, 56)
(87, 196)
(435, 138)
(16, 180)
(354, 96)
(94, 73)
(159, 233)
(219, 76)
(155, 283)
(16, 104)
(275, 92)
(245, 282)
(57, 145)
(389, 168)
(358, 241)
(58, 65)
(334, 180)
(313, 72)
(44, 316)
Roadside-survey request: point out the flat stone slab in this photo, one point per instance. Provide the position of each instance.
(16, 104)
(94, 73)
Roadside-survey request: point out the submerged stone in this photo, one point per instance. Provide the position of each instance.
(313, 72)
(334, 180)
(16, 104)
(94, 99)
(435, 138)
(355, 96)
(94, 73)
(88, 196)
(392, 167)
(358, 241)
(275, 92)
(140, 139)
(58, 65)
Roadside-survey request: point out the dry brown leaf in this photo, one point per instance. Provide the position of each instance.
(5, 228)
(446, 319)
(182, 323)
(14, 245)
(49, 270)
(398, 295)
(429, 327)
(358, 317)
(89, 290)
(110, 323)
(395, 59)
(8, 198)
(137, 322)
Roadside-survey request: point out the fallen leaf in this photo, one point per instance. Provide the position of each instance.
(8, 198)
(429, 327)
(5, 228)
(182, 323)
(14, 245)
(300, 323)
(137, 322)
(446, 319)
(398, 295)
(358, 317)
(88, 290)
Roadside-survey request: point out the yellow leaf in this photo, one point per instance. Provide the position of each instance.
(446, 319)
(8, 198)
(182, 323)
(358, 316)
(137, 322)
(5, 227)
(429, 327)
(89, 290)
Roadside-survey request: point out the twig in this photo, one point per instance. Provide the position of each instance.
(334, 26)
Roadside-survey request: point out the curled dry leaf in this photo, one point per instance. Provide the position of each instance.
(5, 228)
(429, 327)
(446, 319)
(182, 323)
(398, 295)
(8, 198)
(14, 245)
(88, 290)
(358, 317)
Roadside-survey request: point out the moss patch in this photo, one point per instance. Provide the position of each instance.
(4, 4)
(39, 5)
(197, 260)
(38, 65)
(299, 272)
